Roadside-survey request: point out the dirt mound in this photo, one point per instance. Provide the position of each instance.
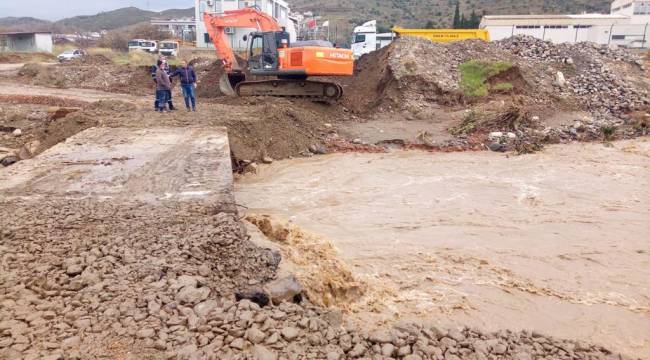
(207, 85)
(90, 59)
(413, 73)
(95, 74)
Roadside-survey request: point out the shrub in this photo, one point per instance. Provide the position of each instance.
(474, 75)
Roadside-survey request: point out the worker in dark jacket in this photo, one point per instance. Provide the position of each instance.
(188, 83)
(163, 87)
(165, 66)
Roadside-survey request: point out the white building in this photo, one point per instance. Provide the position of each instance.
(183, 28)
(627, 25)
(279, 9)
(30, 42)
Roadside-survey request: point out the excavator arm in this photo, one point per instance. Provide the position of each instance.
(249, 17)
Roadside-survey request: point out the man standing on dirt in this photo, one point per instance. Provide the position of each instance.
(154, 69)
(188, 83)
(163, 86)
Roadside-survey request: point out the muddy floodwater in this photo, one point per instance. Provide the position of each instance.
(557, 242)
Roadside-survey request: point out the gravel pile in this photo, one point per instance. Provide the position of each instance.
(600, 77)
(602, 80)
(71, 269)
(85, 279)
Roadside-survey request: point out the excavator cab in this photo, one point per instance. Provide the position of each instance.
(263, 56)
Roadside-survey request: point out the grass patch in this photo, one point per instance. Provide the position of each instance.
(474, 75)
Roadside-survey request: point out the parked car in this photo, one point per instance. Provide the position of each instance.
(71, 55)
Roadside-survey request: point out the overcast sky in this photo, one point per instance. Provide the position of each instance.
(55, 10)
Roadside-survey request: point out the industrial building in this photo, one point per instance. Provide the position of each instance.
(626, 25)
(184, 28)
(279, 9)
(30, 42)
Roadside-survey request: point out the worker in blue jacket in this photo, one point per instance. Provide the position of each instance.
(188, 83)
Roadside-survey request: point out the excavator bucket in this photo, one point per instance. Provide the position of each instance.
(228, 82)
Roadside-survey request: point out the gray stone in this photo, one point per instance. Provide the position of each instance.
(412, 357)
(267, 160)
(191, 295)
(272, 339)
(290, 333)
(499, 349)
(146, 333)
(262, 353)
(381, 336)
(358, 350)
(404, 350)
(189, 352)
(186, 280)
(6, 342)
(9, 160)
(284, 289)
(387, 349)
(332, 355)
(204, 308)
(71, 342)
(237, 344)
(255, 336)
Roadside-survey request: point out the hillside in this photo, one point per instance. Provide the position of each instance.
(119, 18)
(344, 14)
(24, 23)
(108, 20)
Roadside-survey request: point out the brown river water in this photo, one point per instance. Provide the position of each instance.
(557, 242)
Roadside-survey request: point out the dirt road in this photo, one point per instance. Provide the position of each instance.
(88, 95)
(554, 242)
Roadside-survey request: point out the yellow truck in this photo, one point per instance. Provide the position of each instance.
(444, 35)
(365, 38)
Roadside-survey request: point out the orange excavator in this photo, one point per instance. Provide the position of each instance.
(271, 54)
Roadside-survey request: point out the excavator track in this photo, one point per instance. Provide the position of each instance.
(320, 90)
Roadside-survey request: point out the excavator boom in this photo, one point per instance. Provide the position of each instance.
(250, 17)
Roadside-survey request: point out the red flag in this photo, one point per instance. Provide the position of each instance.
(311, 23)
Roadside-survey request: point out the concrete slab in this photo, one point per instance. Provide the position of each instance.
(153, 164)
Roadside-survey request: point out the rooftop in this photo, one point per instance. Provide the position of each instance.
(555, 17)
(25, 32)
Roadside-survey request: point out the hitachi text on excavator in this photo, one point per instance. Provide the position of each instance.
(284, 66)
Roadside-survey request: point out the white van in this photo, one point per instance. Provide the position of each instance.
(365, 39)
(169, 48)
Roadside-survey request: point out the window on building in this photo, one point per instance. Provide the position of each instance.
(618, 37)
(202, 6)
(206, 38)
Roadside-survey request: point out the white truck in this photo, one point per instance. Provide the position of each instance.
(150, 46)
(169, 48)
(135, 44)
(365, 39)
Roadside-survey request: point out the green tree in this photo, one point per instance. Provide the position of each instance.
(474, 20)
(429, 25)
(457, 19)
